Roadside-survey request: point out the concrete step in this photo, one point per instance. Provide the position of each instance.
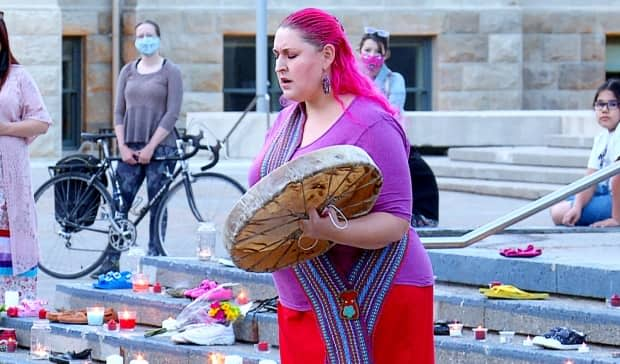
(523, 190)
(535, 156)
(189, 272)
(444, 167)
(593, 317)
(20, 356)
(569, 141)
(580, 265)
(151, 309)
(157, 350)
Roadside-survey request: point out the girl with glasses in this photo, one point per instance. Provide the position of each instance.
(599, 205)
(23, 117)
(350, 316)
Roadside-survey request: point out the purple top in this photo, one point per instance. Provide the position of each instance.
(382, 137)
(145, 102)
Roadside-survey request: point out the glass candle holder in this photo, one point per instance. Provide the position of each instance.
(39, 340)
(455, 329)
(11, 345)
(127, 320)
(11, 298)
(480, 333)
(94, 315)
(505, 337)
(140, 283)
(205, 244)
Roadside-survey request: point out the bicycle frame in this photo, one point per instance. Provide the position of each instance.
(108, 168)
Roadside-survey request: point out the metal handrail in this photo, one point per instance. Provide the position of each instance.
(522, 213)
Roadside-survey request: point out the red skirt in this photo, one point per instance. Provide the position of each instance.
(403, 333)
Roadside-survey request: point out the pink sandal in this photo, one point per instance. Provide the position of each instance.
(528, 252)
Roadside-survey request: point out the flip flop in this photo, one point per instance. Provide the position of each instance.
(114, 280)
(511, 292)
(204, 286)
(528, 252)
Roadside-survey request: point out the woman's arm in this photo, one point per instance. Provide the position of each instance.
(24, 129)
(372, 231)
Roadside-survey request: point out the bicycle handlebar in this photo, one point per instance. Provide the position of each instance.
(194, 140)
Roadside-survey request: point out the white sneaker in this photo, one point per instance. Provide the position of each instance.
(210, 334)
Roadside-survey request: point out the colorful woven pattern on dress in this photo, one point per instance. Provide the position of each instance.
(349, 340)
(284, 144)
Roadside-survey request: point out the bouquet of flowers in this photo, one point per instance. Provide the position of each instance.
(224, 312)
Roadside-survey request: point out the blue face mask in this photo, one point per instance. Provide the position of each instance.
(147, 45)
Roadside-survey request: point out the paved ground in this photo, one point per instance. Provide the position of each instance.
(457, 210)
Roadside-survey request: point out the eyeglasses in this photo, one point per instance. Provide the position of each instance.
(379, 32)
(611, 105)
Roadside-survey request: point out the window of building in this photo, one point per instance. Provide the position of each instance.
(612, 58)
(71, 92)
(411, 56)
(240, 73)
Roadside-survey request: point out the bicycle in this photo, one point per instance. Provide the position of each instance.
(82, 208)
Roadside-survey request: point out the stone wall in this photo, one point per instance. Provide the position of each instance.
(34, 32)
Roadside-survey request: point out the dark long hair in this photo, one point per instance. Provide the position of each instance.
(6, 56)
(613, 85)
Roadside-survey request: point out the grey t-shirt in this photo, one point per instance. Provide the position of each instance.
(145, 102)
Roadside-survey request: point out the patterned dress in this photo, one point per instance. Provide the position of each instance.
(20, 100)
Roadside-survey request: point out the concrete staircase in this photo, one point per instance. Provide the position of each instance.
(526, 172)
(578, 282)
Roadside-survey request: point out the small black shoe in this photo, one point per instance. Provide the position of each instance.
(440, 328)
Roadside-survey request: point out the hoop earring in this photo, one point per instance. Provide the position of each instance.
(327, 84)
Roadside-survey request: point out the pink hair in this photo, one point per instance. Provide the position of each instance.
(320, 28)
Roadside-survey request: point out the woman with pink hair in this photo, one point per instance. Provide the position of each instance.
(381, 270)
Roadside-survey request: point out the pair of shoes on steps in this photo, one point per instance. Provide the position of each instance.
(205, 334)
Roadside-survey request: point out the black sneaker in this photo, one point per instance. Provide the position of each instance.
(440, 328)
(109, 264)
(560, 338)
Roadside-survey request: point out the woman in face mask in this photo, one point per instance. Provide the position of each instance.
(148, 102)
(374, 51)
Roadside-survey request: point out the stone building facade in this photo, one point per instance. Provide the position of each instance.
(486, 54)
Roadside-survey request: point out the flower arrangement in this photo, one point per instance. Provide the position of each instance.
(224, 312)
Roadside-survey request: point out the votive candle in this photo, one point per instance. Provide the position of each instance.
(480, 333)
(11, 298)
(127, 320)
(94, 315)
(242, 298)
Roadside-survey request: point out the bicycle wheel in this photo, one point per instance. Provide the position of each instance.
(73, 224)
(214, 195)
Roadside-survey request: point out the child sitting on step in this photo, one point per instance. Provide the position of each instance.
(598, 206)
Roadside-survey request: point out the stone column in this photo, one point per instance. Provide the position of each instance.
(35, 34)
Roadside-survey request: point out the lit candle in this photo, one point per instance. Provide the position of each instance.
(480, 333)
(455, 329)
(583, 348)
(568, 362)
(11, 298)
(94, 315)
(242, 298)
(170, 324)
(204, 254)
(11, 345)
(114, 359)
(39, 352)
(528, 341)
(216, 358)
(140, 283)
(139, 360)
(127, 320)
